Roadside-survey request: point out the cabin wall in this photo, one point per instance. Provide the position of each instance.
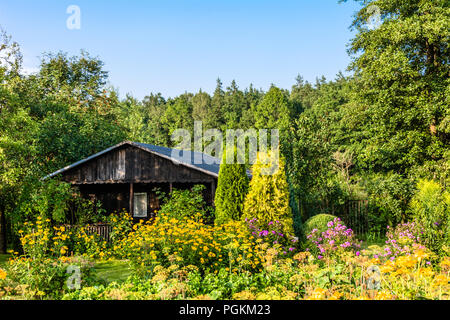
(130, 164)
(108, 178)
(115, 198)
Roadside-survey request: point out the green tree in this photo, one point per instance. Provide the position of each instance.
(268, 196)
(233, 107)
(232, 187)
(403, 69)
(201, 108)
(217, 104)
(274, 111)
(178, 114)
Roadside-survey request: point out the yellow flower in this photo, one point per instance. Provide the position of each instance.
(388, 267)
(420, 254)
(406, 261)
(445, 262)
(336, 296)
(441, 280)
(383, 295)
(425, 272)
(3, 274)
(317, 294)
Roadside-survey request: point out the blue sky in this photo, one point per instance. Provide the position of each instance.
(172, 46)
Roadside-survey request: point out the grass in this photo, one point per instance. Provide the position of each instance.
(370, 241)
(115, 270)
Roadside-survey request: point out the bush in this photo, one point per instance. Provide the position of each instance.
(272, 234)
(40, 239)
(390, 194)
(430, 208)
(232, 187)
(318, 222)
(45, 278)
(186, 203)
(334, 240)
(402, 240)
(188, 241)
(121, 225)
(268, 197)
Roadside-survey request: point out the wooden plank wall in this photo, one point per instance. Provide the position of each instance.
(131, 164)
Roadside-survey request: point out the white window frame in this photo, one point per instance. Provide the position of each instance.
(137, 214)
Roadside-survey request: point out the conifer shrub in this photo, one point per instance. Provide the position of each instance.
(268, 196)
(232, 187)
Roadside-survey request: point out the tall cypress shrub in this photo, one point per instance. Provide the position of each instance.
(232, 187)
(268, 196)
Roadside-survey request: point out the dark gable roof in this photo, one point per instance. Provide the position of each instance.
(209, 165)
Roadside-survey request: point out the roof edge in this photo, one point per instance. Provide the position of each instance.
(131, 143)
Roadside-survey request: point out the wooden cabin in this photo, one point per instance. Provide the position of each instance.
(124, 177)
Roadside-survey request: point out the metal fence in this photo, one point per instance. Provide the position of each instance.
(103, 230)
(354, 213)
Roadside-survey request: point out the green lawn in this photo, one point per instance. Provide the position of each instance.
(370, 242)
(116, 270)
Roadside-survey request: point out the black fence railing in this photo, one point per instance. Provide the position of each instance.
(354, 213)
(103, 230)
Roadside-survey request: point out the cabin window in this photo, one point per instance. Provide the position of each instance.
(140, 205)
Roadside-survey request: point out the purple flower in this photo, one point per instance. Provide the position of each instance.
(357, 253)
(319, 257)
